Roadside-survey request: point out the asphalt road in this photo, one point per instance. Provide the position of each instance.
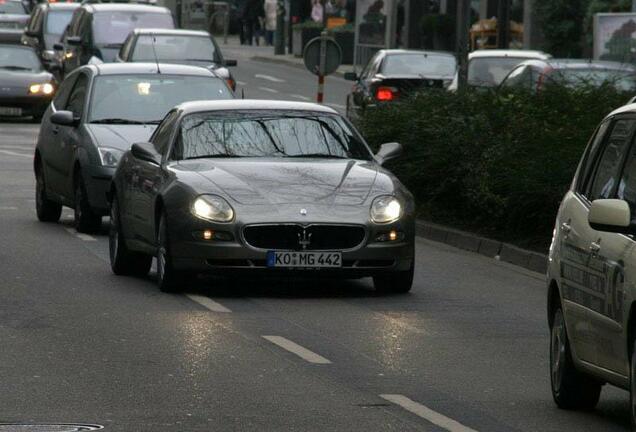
(465, 351)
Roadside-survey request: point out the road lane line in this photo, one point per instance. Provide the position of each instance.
(300, 351)
(242, 83)
(301, 97)
(267, 89)
(426, 413)
(30, 156)
(8, 208)
(208, 303)
(269, 78)
(80, 236)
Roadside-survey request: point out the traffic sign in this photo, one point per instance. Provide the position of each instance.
(333, 56)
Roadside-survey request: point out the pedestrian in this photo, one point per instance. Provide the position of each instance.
(271, 7)
(254, 13)
(317, 11)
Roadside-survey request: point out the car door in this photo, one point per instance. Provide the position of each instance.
(591, 291)
(573, 237)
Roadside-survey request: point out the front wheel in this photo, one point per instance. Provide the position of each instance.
(395, 282)
(123, 261)
(167, 276)
(571, 389)
(86, 221)
(47, 210)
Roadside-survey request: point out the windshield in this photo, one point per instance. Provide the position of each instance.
(12, 7)
(268, 134)
(623, 80)
(419, 64)
(170, 48)
(56, 21)
(18, 58)
(490, 71)
(147, 98)
(112, 28)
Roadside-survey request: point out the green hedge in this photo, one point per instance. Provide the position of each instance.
(494, 163)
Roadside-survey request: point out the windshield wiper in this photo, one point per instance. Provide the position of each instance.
(318, 155)
(122, 121)
(10, 67)
(216, 156)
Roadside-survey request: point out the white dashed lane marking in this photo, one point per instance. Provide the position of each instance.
(242, 83)
(8, 208)
(301, 97)
(300, 351)
(80, 236)
(12, 153)
(267, 89)
(426, 413)
(269, 78)
(208, 303)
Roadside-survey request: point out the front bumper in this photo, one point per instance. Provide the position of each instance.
(30, 105)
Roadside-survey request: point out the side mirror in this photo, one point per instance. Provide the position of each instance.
(58, 47)
(230, 63)
(610, 215)
(64, 118)
(146, 151)
(387, 152)
(74, 40)
(351, 76)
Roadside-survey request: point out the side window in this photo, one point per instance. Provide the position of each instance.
(608, 169)
(63, 92)
(73, 26)
(591, 155)
(161, 137)
(33, 22)
(627, 186)
(78, 96)
(366, 72)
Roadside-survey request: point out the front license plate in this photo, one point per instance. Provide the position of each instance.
(9, 111)
(304, 259)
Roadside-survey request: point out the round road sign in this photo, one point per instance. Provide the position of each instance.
(333, 55)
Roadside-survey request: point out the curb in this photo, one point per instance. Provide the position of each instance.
(287, 62)
(500, 251)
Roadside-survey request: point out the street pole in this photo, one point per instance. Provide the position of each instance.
(279, 36)
(503, 24)
(633, 5)
(463, 25)
(322, 67)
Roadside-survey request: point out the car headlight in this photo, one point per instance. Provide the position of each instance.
(213, 208)
(46, 89)
(385, 209)
(109, 156)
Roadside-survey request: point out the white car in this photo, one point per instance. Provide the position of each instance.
(592, 271)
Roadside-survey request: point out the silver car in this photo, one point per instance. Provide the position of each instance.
(260, 187)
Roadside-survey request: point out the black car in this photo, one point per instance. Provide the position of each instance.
(261, 187)
(392, 74)
(46, 25)
(197, 48)
(98, 112)
(97, 31)
(26, 89)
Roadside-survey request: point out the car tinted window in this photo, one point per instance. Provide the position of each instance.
(161, 137)
(590, 157)
(12, 7)
(627, 186)
(18, 58)
(147, 97)
(64, 92)
(268, 134)
(608, 168)
(519, 77)
(419, 64)
(56, 21)
(189, 48)
(77, 98)
(35, 19)
(113, 27)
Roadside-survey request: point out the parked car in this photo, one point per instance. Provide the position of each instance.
(197, 48)
(98, 112)
(13, 15)
(533, 75)
(393, 74)
(488, 68)
(592, 271)
(26, 89)
(97, 31)
(46, 25)
(261, 187)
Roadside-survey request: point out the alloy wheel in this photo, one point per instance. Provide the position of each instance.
(557, 351)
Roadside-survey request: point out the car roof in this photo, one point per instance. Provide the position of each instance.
(61, 6)
(150, 69)
(405, 51)
(529, 54)
(252, 104)
(564, 64)
(124, 7)
(171, 32)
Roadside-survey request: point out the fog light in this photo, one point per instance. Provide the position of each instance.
(393, 235)
(390, 236)
(208, 234)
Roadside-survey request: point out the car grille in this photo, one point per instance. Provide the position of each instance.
(299, 237)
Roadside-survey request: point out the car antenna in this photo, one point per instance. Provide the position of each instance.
(154, 52)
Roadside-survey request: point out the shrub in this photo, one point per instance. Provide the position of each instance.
(494, 163)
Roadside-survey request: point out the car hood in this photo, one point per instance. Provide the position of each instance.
(280, 181)
(119, 136)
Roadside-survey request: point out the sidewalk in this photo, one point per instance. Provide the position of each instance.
(234, 50)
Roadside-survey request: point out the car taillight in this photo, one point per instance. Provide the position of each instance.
(231, 83)
(385, 94)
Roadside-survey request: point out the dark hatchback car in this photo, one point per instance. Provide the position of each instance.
(97, 31)
(261, 187)
(26, 89)
(191, 47)
(98, 112)
(393, 74)
(46, 25)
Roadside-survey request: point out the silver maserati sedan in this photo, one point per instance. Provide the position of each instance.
(260, 187)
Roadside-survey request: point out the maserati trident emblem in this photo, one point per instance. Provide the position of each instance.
(304, 239)
(303, 212)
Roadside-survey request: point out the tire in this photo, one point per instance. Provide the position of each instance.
(123, 261)
(86, 221)
(395, 282)
(571, 389)
(632, 387)
(168, 278)
(47, 210)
